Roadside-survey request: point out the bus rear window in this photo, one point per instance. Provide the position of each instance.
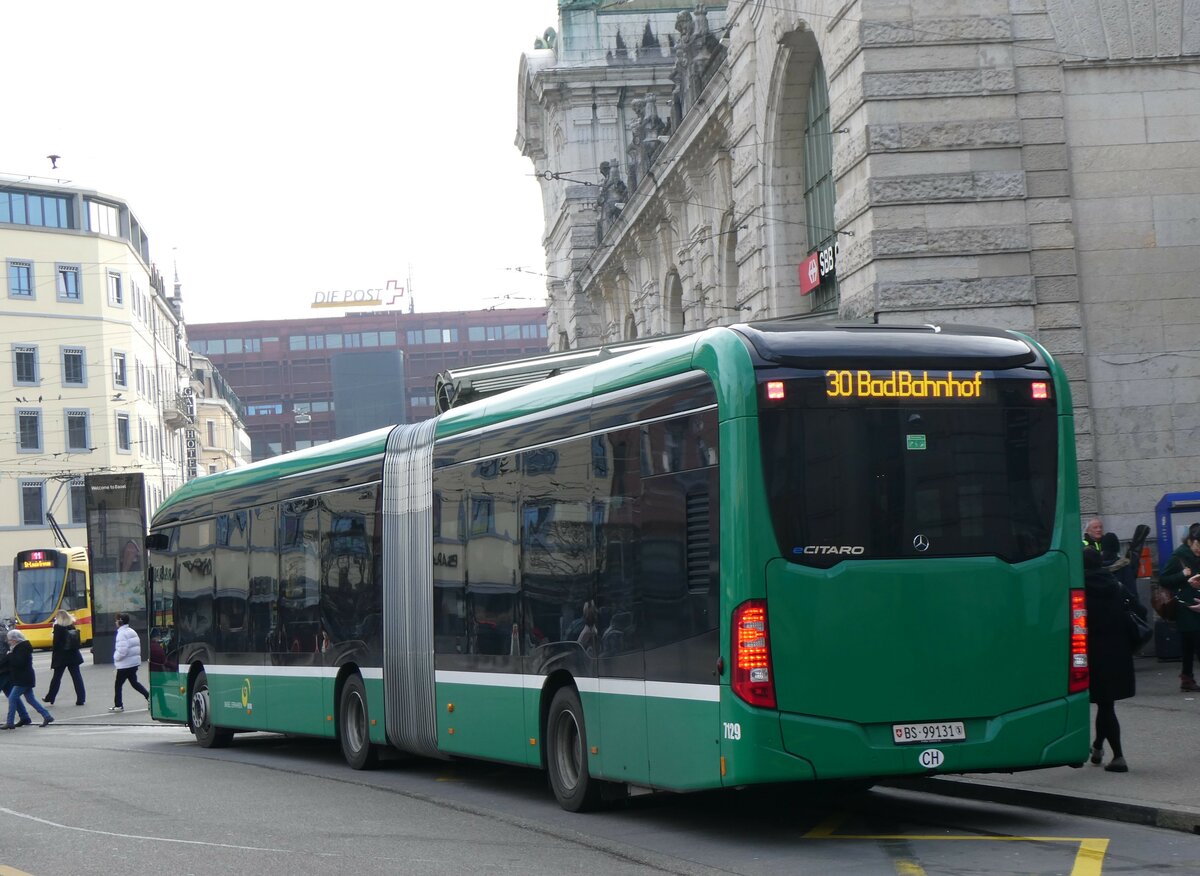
(896, 465)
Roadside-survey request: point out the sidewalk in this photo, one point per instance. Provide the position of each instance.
(1160, 728)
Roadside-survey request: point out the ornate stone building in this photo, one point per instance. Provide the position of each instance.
(1032, 164)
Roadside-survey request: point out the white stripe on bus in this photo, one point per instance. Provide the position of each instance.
(709, 693)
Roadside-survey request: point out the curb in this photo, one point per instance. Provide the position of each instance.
(1185, 820)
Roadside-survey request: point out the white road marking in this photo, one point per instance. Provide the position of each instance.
(159, 839)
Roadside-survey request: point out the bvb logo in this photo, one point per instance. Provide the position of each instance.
(245, 692)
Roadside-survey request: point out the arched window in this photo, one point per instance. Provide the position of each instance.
(818, 182)
(674, 315)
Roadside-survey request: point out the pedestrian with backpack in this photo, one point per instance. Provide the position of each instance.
(65, 654)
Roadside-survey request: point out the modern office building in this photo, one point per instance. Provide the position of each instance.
(307, 381)
(1029, 165)
(94, 362)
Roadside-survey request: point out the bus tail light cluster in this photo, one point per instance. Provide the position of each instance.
(1078, 670)
(752, 654)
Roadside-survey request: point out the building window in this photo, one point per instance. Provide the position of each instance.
(104, 219)
(116, 295)
(77, 430)
(33, 503)
(212, 468)
(49, 211)
(67, 282)
(73, 367)
(25, 366)
(818, 181)
(123, 433)
(20, 279)
(29, 431)
(78, 502)
(212, 433)
(120, 376)
(475, 333)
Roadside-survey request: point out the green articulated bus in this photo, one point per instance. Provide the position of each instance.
(771, 552)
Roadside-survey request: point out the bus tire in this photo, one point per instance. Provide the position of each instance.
(354, 726)
(200, 718)
(567, 754)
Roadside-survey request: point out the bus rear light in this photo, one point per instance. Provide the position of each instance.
(1041, 389)
(1077, 671)
(775, 390)
(752, 654)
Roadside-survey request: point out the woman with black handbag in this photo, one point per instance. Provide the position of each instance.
(1110, 656)
(65, 654)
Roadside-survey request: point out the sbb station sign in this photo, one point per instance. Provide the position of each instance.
(818, 266)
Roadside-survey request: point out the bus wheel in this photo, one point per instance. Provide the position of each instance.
(354, 726)
(200, 717)
(566, 754)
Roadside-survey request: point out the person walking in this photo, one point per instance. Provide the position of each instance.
(20, 668)
(5, 682)
(1110, 658)
(65, 655)
(127, 657)
(1179, 576)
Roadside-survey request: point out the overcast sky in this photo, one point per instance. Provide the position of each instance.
(274, 150)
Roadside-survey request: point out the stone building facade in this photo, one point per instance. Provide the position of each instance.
(1030, 164)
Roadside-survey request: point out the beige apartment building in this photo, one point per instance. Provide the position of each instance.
(94, 365)
(218, 438)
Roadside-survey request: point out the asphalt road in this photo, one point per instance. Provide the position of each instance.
(96, 793)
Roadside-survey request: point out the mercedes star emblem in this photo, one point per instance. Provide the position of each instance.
(921, 543)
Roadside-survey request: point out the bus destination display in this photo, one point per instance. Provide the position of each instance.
(902, 385)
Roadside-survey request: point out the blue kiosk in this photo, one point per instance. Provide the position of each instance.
(1173, 514)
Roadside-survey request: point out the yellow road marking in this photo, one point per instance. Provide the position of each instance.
(9, 871)
(1089, 860)
(827, 827)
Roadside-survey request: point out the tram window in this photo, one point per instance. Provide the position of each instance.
(75, 597)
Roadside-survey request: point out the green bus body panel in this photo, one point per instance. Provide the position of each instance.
(167, 703)
(488, 721)
(923, 640)
(1049, 734)
(623, 736)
